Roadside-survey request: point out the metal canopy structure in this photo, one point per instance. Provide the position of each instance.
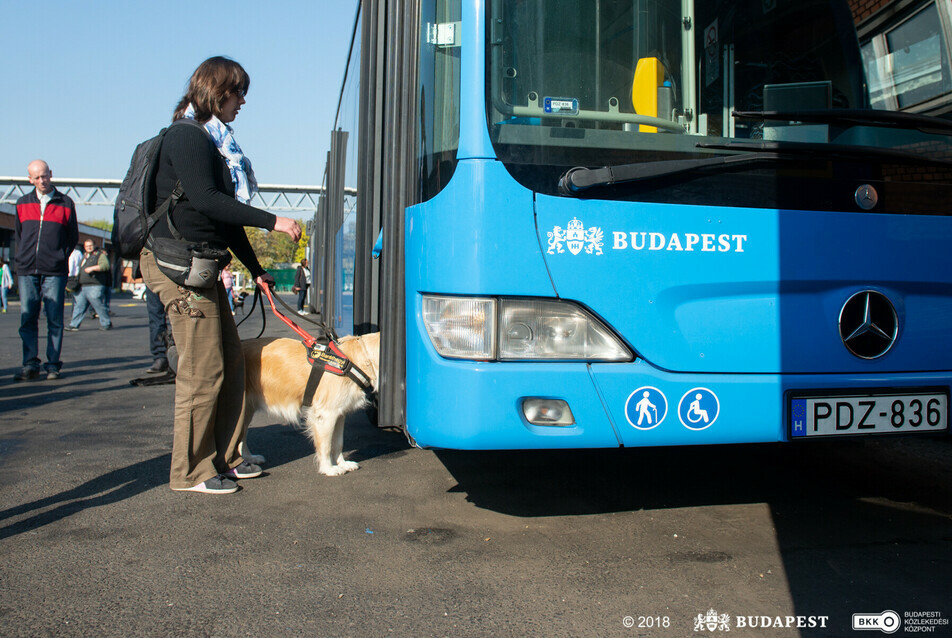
(276, 198)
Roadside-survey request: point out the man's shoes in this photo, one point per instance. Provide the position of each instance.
(27, 374)
(109, 327)
(71, 329)
(244, 471)
(53, 375)
(215, 485)
(159, 366)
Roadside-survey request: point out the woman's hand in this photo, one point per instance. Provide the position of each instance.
(288, 226)
(265, 280)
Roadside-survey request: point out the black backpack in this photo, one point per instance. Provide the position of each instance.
(132, 220)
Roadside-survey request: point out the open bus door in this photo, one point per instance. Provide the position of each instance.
(386, 186)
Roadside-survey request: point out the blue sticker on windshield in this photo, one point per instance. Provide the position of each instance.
(560, 105)
(698, 409)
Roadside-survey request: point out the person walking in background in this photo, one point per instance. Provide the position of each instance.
(228, 280)
(6, 282)
(72, 273)
(94, 275)
(46, 231)
(302, 281)
(218, 182)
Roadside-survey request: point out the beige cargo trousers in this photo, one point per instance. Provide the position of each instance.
(210, 378)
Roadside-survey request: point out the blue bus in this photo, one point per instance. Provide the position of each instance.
(651, 222)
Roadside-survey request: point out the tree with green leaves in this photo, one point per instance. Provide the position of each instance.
(274, 248)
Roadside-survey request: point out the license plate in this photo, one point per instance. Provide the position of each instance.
(874, 413)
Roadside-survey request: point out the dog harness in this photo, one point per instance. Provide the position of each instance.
(329, 358)
(324, 355)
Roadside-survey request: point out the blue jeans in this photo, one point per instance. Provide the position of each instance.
(51, 291)
(90, 295)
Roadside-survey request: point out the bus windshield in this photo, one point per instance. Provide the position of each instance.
(608, 82)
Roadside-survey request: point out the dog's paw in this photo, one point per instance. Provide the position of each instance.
(337, 470)
(349, 466)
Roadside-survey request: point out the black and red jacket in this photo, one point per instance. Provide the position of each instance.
(44, 241)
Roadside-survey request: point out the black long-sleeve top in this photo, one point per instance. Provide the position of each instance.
(209, 211)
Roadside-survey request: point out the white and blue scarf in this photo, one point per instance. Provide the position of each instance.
(240, 166)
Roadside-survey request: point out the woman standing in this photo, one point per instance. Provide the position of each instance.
(302, 281)
(218, 183)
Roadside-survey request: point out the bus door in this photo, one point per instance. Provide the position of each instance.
(332, 242)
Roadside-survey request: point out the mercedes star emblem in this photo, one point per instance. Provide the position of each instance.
(868, 324)
(866, 197)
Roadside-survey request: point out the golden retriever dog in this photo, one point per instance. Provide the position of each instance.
(276, 373)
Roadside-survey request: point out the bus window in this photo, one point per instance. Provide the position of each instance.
(438, 95)
(580, 68)
(617, 82)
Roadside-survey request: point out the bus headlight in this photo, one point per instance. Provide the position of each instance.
(518, 329)
(554, 330)
(461, 327)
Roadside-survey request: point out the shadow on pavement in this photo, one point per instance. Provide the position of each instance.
(109, 488)
(861, 526)
(282, 444)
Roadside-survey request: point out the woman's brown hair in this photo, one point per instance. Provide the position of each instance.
(214, 81)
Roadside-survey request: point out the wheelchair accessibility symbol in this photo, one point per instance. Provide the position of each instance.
(646, 408)
(698, 409)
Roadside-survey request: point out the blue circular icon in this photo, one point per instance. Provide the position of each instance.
(698, 409)
(646, 408)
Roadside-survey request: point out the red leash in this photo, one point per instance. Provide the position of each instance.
(309, 340)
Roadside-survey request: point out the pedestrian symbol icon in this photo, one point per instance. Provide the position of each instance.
(698, 409)
(646, 408)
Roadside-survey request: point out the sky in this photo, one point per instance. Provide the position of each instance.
(87, 80)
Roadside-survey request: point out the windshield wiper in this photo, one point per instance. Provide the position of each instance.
(579, 179)
(827, 151)
(855, 117)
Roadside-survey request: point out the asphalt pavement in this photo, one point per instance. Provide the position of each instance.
(435, 543)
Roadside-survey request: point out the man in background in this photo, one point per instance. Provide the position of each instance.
(94, 276)
(46, 231)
